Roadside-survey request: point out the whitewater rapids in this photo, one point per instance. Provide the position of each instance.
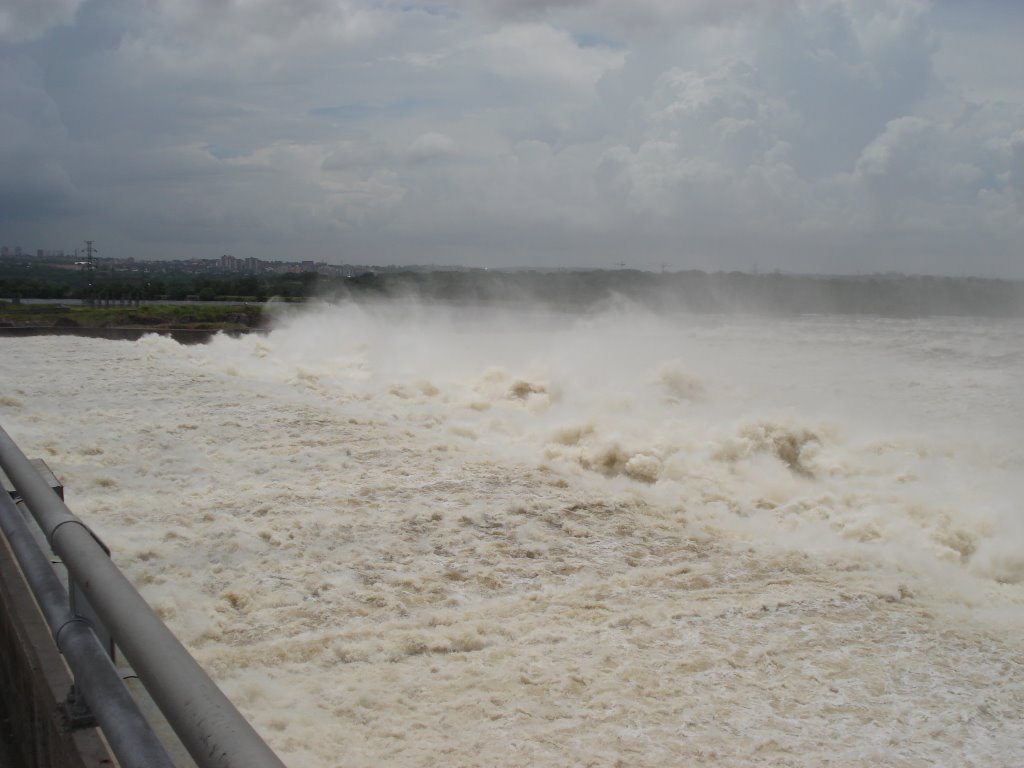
(401, 535)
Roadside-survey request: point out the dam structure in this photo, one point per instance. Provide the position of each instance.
(90, 676)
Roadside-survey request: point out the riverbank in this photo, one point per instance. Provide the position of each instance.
(190, 323)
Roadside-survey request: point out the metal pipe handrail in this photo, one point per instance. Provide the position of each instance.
(129, 735)
(208, 724)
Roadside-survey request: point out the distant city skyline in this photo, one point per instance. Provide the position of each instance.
(827, 137)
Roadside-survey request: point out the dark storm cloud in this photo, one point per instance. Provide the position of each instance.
(33, 183)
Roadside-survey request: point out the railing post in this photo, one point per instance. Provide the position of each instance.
(126, 730)
(208, 724)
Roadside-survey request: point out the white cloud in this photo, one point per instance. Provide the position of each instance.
(353, 154)
(245, 37)
(23, 20)
(896, 153)
(268, 23)
(1015, 173)
(657, 17)
(431, 146)
(306, 191)
(568, 129)
(542, 53)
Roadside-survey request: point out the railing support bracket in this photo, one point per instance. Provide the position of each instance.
(75, 711)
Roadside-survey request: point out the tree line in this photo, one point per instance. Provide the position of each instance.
(46, 281)
(694, 291)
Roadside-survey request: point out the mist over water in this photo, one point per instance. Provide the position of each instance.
(404, 535)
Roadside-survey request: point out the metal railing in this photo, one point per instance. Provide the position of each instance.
(208, 724)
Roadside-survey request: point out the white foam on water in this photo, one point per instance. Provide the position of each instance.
(406, 535)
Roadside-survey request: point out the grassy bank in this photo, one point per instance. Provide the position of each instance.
(226, 317)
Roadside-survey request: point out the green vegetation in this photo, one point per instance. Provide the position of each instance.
(228, 317)
(40, 280)
(692, 291)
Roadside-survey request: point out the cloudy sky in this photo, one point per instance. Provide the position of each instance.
(845, 136)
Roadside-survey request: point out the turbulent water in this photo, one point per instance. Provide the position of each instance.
(408, 536)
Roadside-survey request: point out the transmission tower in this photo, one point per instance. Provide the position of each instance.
(90, 265)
